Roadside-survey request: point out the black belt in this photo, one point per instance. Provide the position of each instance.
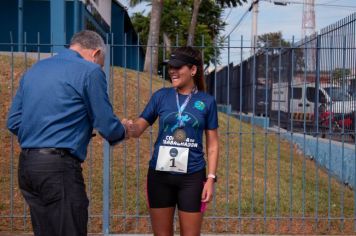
(48, 151)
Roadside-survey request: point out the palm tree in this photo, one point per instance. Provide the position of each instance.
(231, 3)
(196, 6)
(193, 22)
(151, 59)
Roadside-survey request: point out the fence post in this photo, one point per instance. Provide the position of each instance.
(58, 22)
(106, 159)
(20, 26)
(76, 16)
(317, 84)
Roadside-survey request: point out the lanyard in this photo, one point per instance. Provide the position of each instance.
(184, 105)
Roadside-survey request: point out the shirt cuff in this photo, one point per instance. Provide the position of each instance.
(121, 139)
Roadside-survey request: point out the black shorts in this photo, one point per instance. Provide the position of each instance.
(169, 190)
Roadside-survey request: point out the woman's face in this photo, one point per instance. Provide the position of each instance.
(183, 76)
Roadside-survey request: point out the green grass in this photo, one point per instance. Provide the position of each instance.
(130, 160)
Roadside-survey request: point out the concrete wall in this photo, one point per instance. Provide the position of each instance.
(259, 121)
(336, 158)
(133, 56)
(36, 24)
(104, 9)
(36, 15)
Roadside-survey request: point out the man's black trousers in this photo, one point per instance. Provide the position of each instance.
(52, 184)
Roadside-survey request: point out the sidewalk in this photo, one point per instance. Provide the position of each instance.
(16, 234)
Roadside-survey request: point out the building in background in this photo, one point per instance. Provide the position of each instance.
(47, 25)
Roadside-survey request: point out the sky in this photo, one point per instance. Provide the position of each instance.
(273, 18)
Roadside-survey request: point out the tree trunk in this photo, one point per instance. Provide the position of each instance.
(193, 23)
(167, 44)
(151, 59)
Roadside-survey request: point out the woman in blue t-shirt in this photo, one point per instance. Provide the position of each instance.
(177, 169)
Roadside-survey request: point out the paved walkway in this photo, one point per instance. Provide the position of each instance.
(13, 234)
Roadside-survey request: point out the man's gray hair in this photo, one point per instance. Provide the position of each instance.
(88, 39)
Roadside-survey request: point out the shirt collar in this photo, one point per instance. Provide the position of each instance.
(70, 52)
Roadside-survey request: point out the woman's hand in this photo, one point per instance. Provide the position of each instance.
(208, 191)
(134, 129)
(129, 128)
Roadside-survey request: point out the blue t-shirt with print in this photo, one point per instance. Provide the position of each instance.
(200, 114)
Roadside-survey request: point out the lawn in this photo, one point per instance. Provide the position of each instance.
(265, 184)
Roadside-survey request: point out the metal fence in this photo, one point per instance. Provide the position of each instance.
(285, 179)
(311, 83)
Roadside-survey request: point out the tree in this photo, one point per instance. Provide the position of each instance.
(276, 47)
(172, 25)
(141, 24)
(231, 3)
(152, 47)
(151, 59)
(196, 7)
(272, 41)
(338, 74)
(175, 21)
(193, 23)
(136, 2)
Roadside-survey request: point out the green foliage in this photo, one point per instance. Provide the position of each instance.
(133, 3)
(231, 3)
(175, 21)
(339, 73)
(142, 25)
(272, 40)
(273, 43)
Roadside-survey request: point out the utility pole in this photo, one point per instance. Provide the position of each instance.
(308, 21)
(254, 26)
(308, 29)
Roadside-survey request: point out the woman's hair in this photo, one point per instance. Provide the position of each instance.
(199, 76)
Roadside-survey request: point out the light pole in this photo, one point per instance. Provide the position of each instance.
(254, 26)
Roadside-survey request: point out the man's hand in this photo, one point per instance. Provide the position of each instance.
(129, 128)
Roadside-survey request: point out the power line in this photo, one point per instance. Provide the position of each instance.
(316, 4)
(241, 19)
(227, 16)
(331, 1)
(237, 24)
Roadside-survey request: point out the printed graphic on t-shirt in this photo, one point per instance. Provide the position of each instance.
(190, 122)
(188, 119)
(199, 105)
(190, 143)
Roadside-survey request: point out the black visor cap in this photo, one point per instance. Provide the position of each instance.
(178, 60)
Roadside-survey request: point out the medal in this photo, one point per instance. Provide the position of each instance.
(179, 135)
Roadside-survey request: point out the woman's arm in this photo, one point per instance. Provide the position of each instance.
(136, 128)
(212, 149)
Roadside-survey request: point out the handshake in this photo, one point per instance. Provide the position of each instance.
(130, 128)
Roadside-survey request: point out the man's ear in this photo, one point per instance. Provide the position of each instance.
(96, 52)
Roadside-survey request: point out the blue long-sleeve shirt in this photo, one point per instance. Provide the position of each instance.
(58, 103)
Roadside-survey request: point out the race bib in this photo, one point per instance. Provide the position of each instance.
(173, 159)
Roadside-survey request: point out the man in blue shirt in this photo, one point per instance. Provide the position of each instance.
(59, 102)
